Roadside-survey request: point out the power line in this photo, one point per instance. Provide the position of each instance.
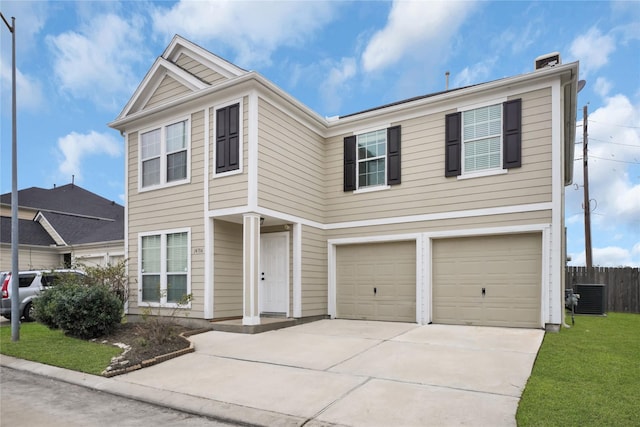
(614, 143)
(615, 160)
(611, 124)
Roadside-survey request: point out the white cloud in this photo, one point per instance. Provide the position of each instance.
(476, 73)
(75, 147)
(334, 87)
(610, 256)
(96, 62)
(602, 86)
(592, 50)
(252, 29)
(414, 27)
(29, 94)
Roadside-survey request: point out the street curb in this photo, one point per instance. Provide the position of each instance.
(214, 409)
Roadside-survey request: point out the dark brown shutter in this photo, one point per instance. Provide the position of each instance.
(350, 163)
(227, 138)
(393, 155)
(512, 134)
(453, 144)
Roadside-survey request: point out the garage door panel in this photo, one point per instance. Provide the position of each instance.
(376, 281)
(508, 267)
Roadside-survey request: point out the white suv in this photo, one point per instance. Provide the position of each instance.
(30, 285)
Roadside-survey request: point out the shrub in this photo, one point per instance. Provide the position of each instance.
(80, 311)
(114, 276)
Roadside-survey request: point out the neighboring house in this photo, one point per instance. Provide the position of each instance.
(445, 208)
(61, 227)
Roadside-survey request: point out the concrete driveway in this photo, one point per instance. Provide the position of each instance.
(355, 373)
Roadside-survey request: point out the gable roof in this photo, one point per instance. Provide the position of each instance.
(29, 232)
(75, 230)
(67, 215)
(69, 198)
(167, 65)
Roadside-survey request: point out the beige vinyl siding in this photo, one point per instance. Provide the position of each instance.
(231, 190)
(314, 272)
(168, 90)
(291, 165)
(199, 70)
(23, 213)
(31, 258)
(424, 187)
(488, 221)
(169, 208)
(227, 269)
(98, 254)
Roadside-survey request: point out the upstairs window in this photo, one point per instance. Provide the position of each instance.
(372, 159)
(164, 155)
(483, 140)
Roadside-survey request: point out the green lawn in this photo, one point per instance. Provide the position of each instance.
(588, 375)
(41, 344)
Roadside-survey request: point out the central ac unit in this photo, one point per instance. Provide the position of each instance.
(593, 299)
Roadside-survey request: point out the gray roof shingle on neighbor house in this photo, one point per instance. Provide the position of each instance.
(69, 198)
(76, 230)
(77, 215)
(29, 232)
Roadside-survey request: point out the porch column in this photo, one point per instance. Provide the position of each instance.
(251, 267)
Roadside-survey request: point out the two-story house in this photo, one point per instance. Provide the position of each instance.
(445, 208)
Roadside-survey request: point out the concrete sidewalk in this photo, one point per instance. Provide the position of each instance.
(338, 372)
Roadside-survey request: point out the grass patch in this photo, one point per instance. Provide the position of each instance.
(41, 344)
(588, 375)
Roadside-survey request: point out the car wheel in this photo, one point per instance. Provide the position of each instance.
(28, 312)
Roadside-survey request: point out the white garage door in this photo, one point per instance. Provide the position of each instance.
(489, 280)
(376, 281)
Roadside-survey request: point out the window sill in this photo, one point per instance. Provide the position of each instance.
(158, 305)
(161, 186)
(228, 173)
(483, 173)
(371, 189)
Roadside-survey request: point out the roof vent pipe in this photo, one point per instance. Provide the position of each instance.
(446, 81)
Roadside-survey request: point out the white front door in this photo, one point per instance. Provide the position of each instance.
(274, 273)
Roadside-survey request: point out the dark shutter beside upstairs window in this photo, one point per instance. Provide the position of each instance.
(453, 146)
(393, 155)
(512, 134)
(228, 138)
(350, 163)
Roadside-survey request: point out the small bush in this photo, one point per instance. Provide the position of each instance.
(114, 276)
(80, 311)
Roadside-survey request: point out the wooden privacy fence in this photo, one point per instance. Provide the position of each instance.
(622, 285)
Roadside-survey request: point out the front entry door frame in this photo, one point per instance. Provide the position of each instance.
(274, 273)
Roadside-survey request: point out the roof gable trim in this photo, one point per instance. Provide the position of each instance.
(181, 45)
(42, 220)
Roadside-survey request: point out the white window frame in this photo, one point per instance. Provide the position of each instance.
(370, 188)
(240, 102)
(164, 153)
(485, 172)
(163, 268)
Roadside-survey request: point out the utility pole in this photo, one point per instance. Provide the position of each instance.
(587, 202)
(15, 301)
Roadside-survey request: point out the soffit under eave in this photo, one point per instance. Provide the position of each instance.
(161, 68)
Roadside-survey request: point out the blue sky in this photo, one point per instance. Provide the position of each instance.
(79, 62)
